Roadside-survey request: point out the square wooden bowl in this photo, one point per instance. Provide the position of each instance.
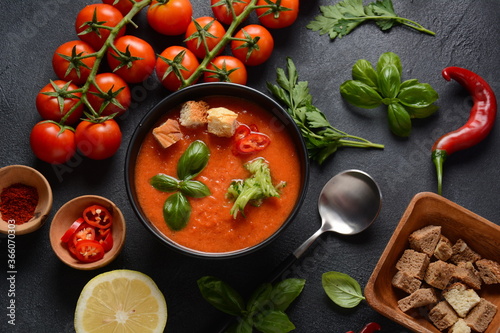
(457, 222)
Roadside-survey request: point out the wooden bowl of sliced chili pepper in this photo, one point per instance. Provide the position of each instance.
(25, 199)
(87, 232)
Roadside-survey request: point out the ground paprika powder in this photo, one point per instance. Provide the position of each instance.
(18, 202)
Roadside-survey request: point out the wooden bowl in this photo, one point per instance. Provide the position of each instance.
(69, 213)
(457, 222)
(26, 175)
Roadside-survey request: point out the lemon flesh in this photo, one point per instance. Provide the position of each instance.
(121, 301)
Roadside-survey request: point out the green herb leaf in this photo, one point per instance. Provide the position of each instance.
(389, 81)
(419, 95)
(194, 189)
(363, 71)
(360, 94)
(273, 322)
(422, 112)
(342, 289)
(383, 8)
(389, 58)
(221, 295)
(285, 292)
(399, 120)
(176, 211)
(164, 183)
(260, 298)
(193, 160)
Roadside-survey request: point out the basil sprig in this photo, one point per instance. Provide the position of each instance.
(342, 289)
(371, 88)
(264, 311)
(177, 209)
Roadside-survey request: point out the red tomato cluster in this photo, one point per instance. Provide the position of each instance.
(90, 236)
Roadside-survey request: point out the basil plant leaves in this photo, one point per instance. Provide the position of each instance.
(372, 87)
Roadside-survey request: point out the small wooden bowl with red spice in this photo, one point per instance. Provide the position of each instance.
(25, 199)
(68, 215)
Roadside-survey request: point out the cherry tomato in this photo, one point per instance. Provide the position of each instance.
(211, 30)
(52, 143)
(223, 13)
(91, 17)
(252, 143)
(226, 69)
(68, 235)
(255, 45)
(56, 99)
(175, 59)
(283, 14)
(136, 61)
(112, 89)
(89, 251)
(124, 6)
(170, 17)
(98, 216)
(98, 140)
(70, 61)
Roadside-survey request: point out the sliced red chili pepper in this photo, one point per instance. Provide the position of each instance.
(107, 242)
(241, 132)
(98, 216)
(89, 251)
(71, 230)
(252, 143)
(102, 233)
(84, 232)
(370, 328)
(254, 128)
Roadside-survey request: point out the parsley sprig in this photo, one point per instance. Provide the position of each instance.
(340, 19)
(322, 139)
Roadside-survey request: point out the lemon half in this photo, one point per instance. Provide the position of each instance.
(121, 301)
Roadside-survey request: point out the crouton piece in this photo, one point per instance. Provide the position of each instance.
(462, 252)
(406, 282)
(421, 297)
(489, 271)
(443, 250)
(194, 114)
(222, 122)
(414, 263)
(460, 327)
(442, 315)
(461, 298)
(439, 274)
(168, 133)
(481, 315)
(425, 239)
(467, 273)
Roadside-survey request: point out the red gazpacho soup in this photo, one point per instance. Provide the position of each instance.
(211, 227)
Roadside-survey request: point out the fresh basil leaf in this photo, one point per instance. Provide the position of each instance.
(408, 83)
(342, 289)
(274, 322)
(193, 160)
(285, 292)
(221, 295)
(389, 58)
(399, 120)
(243, 326)
(363, 71)
(422, 112)
(194, 189)
(260, 298)
(418, 95)
(360, 94)
(176, 211)
(389, 81)
(164, 183)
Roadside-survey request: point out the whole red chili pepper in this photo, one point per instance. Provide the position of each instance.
(481, 119)
(370, 328)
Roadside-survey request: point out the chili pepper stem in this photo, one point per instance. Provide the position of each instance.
(438, 157)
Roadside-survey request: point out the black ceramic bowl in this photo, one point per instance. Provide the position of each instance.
(196, 92)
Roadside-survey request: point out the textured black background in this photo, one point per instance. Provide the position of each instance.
(466, 35)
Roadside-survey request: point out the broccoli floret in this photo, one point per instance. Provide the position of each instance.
(254, 189)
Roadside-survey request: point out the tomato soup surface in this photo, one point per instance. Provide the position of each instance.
(211, 228)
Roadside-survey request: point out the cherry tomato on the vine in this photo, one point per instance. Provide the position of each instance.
(136, 61)
(52, 143)
(124, 6)
(170, 17)
(112, 96)
(98, 140)
(281, 15)
(226, 69)
(72, 63)
(254, 45)
(223, 13)
(57, 98)
(173, 61)
(91, 17)
(210, 30)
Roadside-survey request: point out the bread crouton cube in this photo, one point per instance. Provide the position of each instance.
(467, 273)
(461, 298)
(222, 122)
(489, 271)
(460, 327)
(194, 113)
(406, 282)
(443, 250)
(481, 315)
(425, 239)
(421, 297)
(462, 252)
(442, 315)
(414, 263)
(439, 274)
(168, 133)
